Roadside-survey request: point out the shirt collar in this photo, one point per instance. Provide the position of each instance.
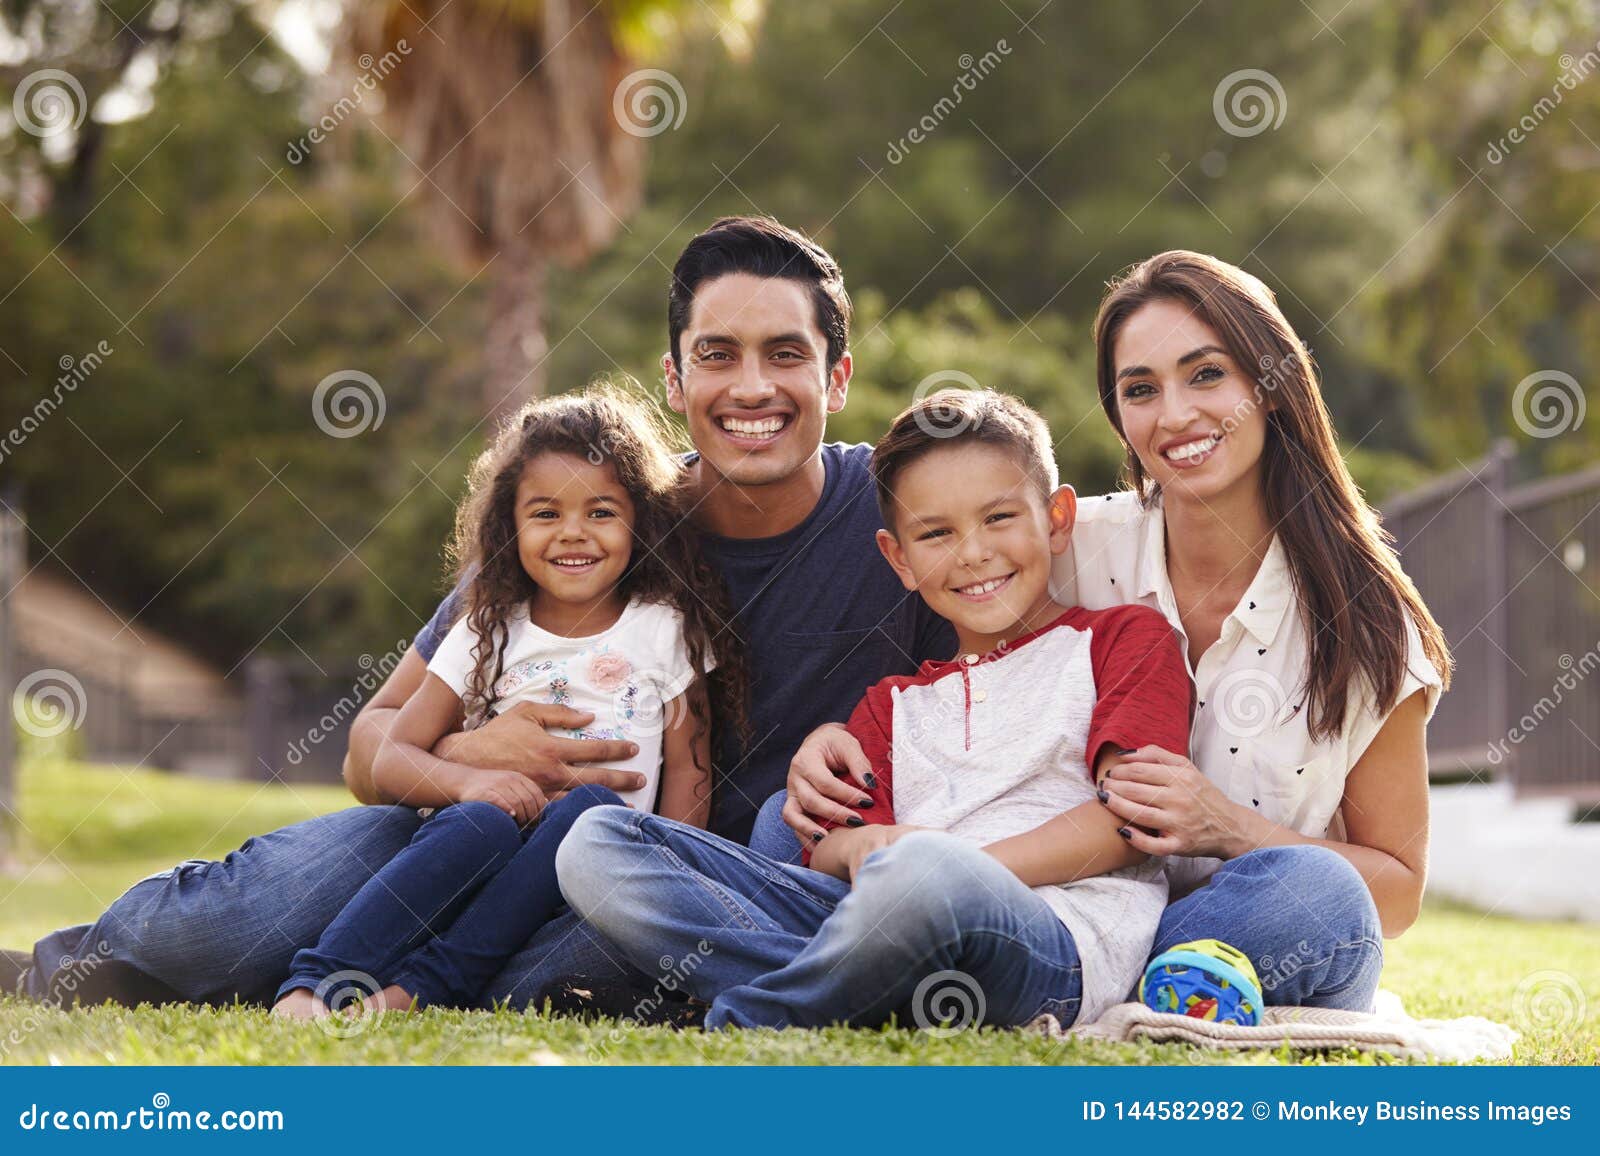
(1260, 611)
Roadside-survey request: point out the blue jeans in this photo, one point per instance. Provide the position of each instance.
(226, 930)
(1303, 915)
(934, 929)
(441, 919)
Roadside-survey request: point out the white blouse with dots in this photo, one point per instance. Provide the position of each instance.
(1250, 736)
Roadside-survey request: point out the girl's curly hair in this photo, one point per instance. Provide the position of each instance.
(604, 424)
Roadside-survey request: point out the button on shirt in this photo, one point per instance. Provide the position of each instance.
(1250, 735)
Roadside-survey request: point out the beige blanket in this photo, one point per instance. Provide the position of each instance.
(1388, 1030)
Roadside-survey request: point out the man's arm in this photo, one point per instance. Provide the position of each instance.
(371, 725)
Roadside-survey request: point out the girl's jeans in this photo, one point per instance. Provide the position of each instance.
(444, 916)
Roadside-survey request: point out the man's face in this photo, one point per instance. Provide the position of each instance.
(754, 382)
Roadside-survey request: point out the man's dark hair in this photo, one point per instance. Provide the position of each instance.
(952, 417)
(761, 247)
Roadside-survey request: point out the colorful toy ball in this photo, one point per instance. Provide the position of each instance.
(1206, 979)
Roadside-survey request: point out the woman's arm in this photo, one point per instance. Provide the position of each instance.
(405, 770)
(1385, 813)
(686, 759)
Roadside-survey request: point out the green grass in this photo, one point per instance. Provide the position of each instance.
(91, 832)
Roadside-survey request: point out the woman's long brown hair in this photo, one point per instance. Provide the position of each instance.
(605, 424)
(1353, 594)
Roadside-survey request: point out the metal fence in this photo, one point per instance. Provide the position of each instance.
(1512, 573)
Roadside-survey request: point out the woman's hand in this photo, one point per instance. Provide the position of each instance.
(1151, 789)
(815, 792)
(511, 791)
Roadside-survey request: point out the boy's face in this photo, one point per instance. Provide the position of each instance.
(754, 383)
(974, 537)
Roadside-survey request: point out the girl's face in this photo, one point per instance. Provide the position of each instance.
(1196, 419)
(574, 527)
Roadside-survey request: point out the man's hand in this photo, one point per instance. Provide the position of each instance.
(520, 741)
(507, 790)
(815, 792)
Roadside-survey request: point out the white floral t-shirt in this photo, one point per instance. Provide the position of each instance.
(627, 675)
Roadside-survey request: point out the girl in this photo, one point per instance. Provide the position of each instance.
(1298, 832)
(585, 589)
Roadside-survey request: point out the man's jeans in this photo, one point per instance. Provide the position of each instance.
(934, 930)
(219, 931)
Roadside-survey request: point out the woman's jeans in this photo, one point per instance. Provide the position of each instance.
(444, 916)
(1303, 915)
(934, 930)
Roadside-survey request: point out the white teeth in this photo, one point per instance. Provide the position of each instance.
(1191, 450)
(984, 587)
(573, 562)
(761, 428)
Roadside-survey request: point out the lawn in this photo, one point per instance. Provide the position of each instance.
(90, 832)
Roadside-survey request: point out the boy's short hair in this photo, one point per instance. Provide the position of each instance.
(951, 417)
(761, 247)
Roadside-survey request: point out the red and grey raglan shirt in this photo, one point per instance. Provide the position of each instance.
(989, 746)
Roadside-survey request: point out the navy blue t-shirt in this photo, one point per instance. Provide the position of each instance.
(823, 617)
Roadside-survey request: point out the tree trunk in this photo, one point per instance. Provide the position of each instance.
(515, 347)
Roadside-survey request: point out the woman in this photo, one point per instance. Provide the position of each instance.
(1299, 832)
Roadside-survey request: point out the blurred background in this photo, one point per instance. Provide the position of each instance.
(268, 269)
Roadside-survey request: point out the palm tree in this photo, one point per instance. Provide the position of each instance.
(520, 114)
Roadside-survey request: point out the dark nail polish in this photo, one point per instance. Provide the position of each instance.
(1102, 796)
(864, 802)
(871, 781)
(1124, 832)
(816, 836)
(855, 821)
(1127, 750)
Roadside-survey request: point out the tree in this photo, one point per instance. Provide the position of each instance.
(527, 129)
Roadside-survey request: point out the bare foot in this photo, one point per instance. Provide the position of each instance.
(300, 1004)
(390, 999)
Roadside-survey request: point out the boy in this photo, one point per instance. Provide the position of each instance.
(983, 878)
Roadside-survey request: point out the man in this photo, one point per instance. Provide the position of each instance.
(758, 327)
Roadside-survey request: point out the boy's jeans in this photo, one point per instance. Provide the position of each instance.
(933, 931)
(225, 930)
(1302, 914)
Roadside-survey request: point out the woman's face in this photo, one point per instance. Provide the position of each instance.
(1196, 419)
